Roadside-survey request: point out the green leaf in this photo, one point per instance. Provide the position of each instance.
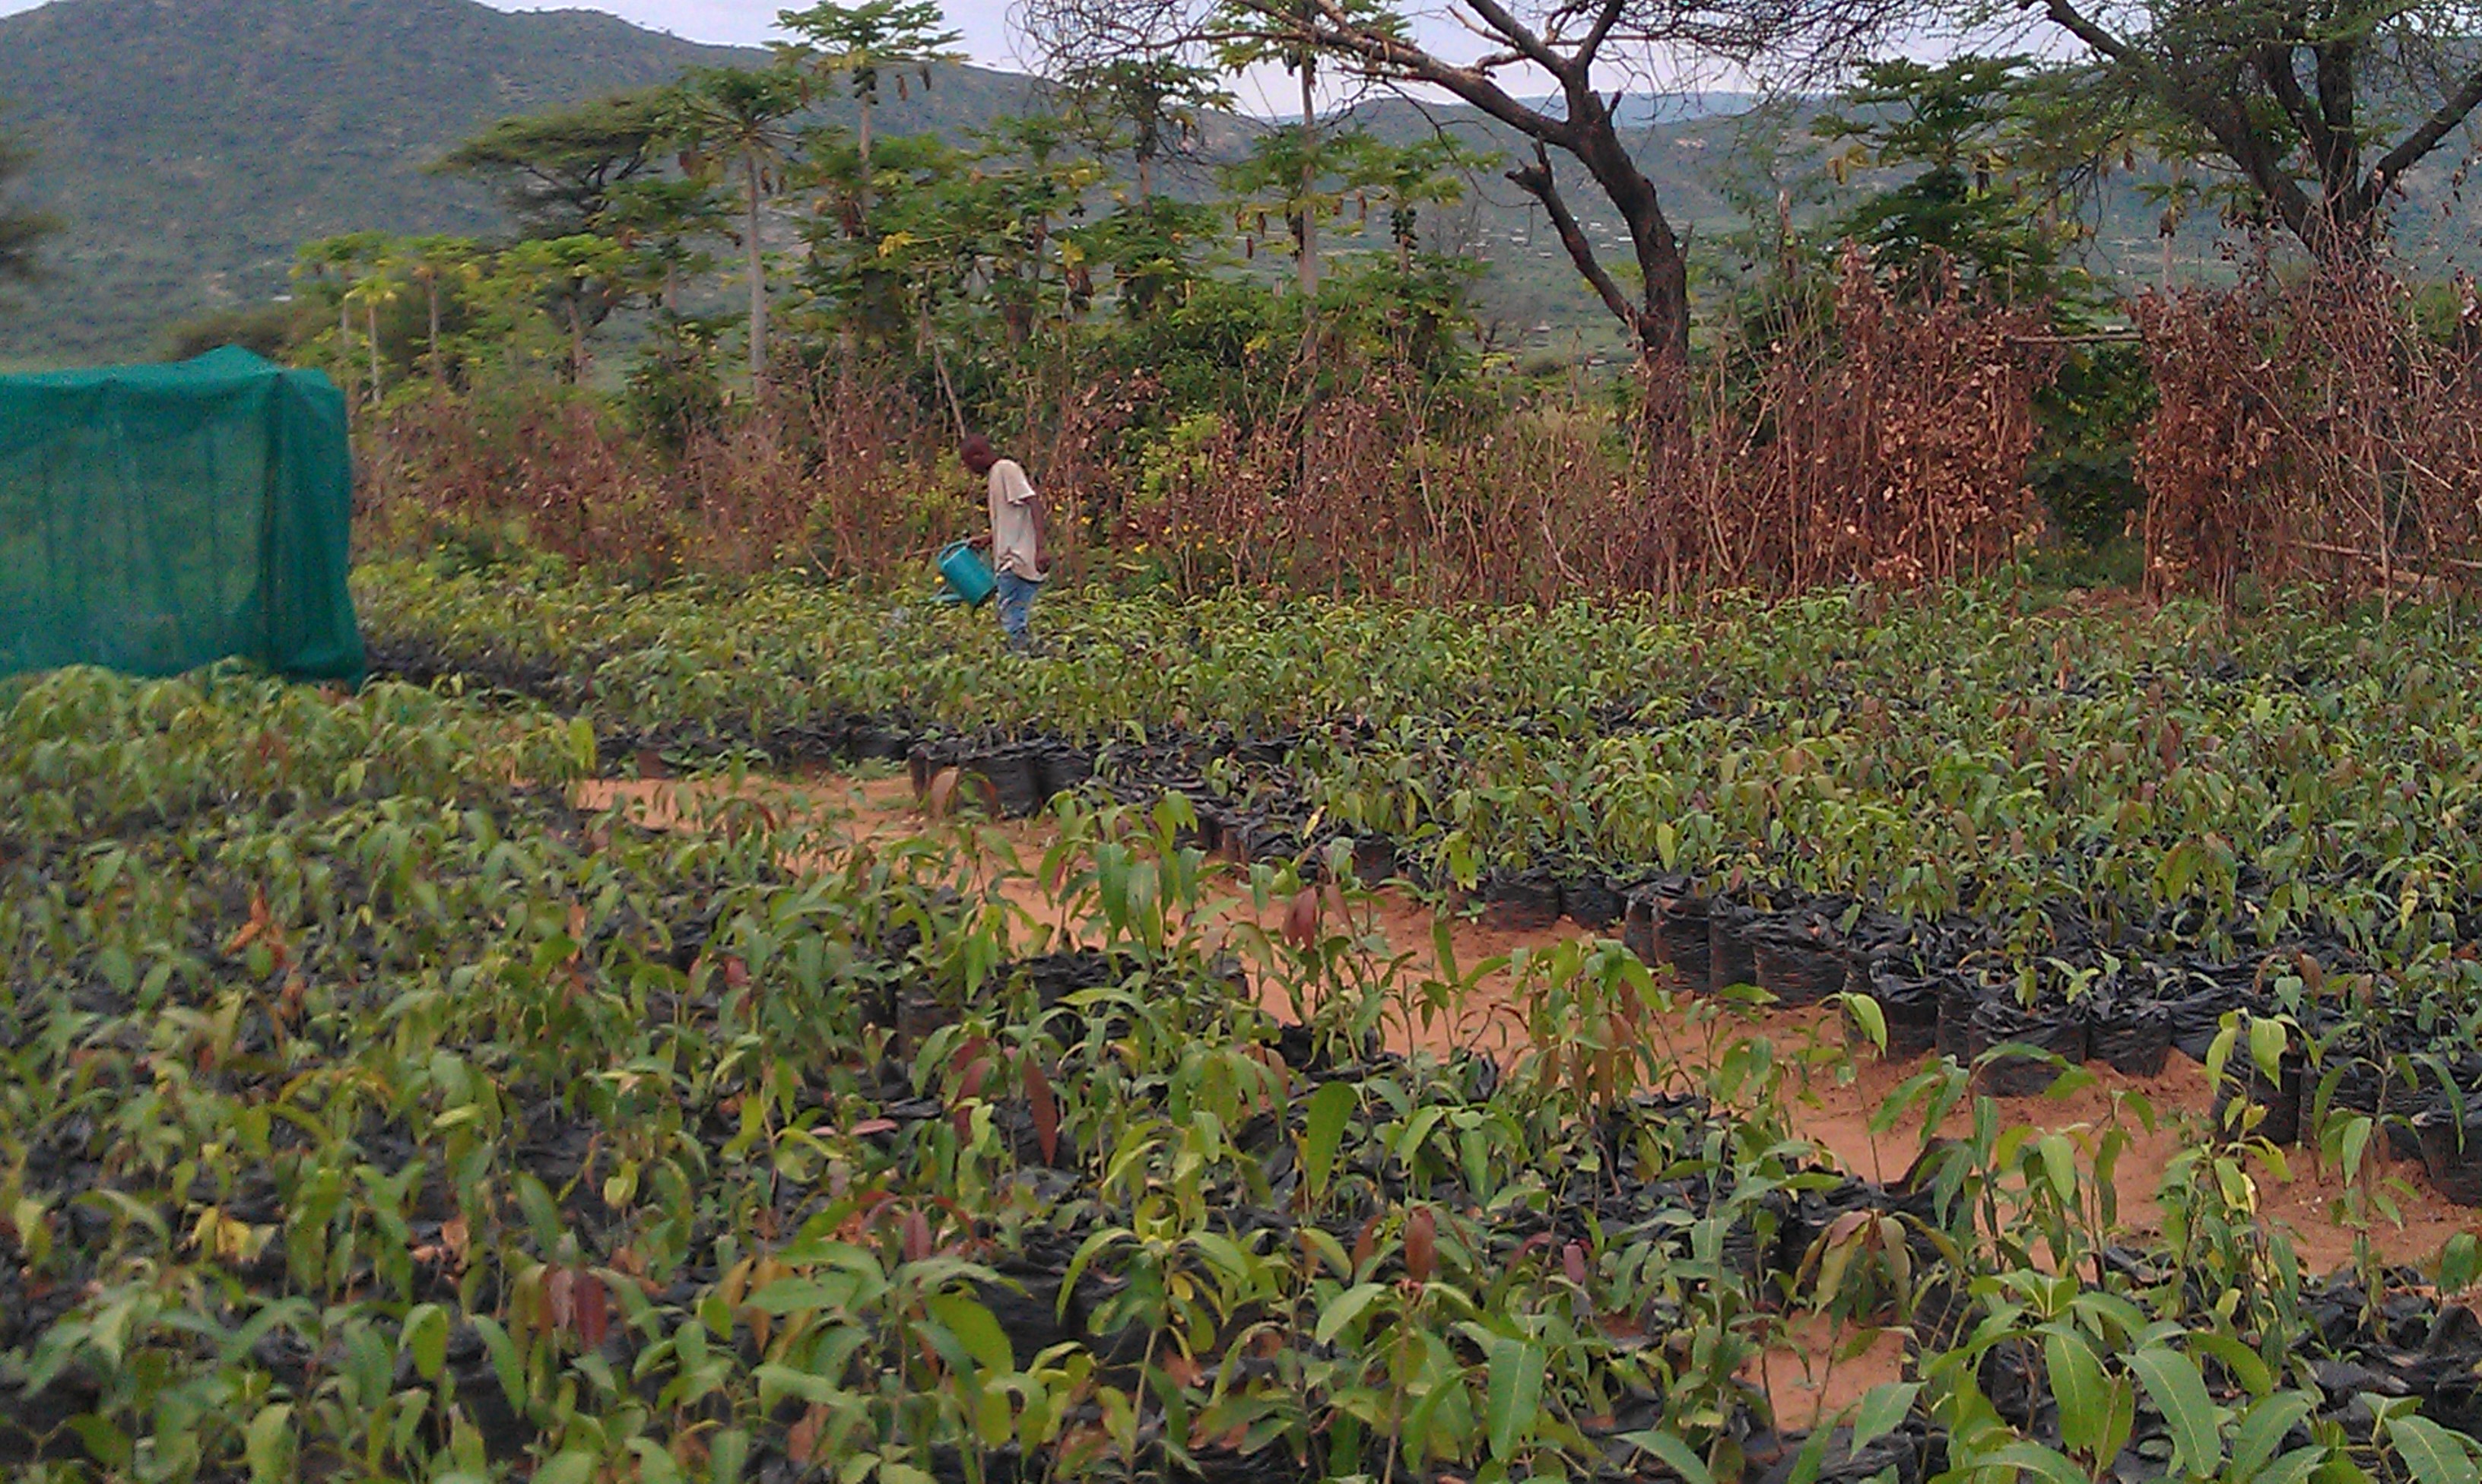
(574, 1466)
(2034, 1459)
(1674, 1454)
(1514, 1396)
(2060, 1163)
(1322, 1130)
(973, 1325)
(727, 1456)
(2179, 1393)
(2293, 1467)
(796, 1295)
(1346, 1308)
(269, 1444)
(1882, 1407)
(2431, 1452)
(2262, 1430)
(2082, 1389)
(426, 1337)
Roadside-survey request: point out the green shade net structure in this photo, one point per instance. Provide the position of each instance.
(157, 518)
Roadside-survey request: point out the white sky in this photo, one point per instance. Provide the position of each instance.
(984, 22)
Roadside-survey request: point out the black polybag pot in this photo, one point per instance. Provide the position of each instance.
(2133, 1035)
(1590, 902)
(1061, 770)
(1374, 859)
(1910, 1006)
(1794, 962)
(872, 743)
(1959, 997)
(2451, 1153)
(1731, 957)
(2060, 1029)
(1015, 789)
(2281, 1097)
(1637, 924)
(1681, 938)
(2197, 1019)
(1519, 901)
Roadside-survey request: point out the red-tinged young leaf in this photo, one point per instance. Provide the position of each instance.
(1045, 1109)
(801, 1441)
(592, 1309)
(1572, 1261)
(1302, 919)
(1422, 1244)
(917, 1237)
(560, 1290)
(1366, 1245)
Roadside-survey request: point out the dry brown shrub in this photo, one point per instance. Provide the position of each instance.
(1883, 441)
(2307, 432)
(837, 472)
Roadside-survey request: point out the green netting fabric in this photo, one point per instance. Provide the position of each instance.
(156, 518)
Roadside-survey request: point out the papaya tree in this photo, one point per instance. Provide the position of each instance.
(863, 44)
(732, 124)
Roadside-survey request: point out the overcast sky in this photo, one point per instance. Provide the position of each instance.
(751, 22)
(984, 23)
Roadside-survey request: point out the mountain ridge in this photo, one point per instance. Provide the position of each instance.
(191, 145)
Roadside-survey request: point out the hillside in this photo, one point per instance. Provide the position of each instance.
(191, 145)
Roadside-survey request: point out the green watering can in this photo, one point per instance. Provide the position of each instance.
(968, 580)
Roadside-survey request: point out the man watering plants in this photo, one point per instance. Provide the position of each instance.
(1016, 538)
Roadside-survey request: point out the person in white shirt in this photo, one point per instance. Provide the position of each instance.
(1016, 538)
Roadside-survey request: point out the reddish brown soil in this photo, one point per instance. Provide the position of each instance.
(1840, 1097)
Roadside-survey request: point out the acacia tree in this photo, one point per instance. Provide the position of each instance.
(2320, 106)
(557, 171)
(862, 43)
(1575, 49)
(730, 120)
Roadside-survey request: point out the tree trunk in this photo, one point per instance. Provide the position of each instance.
(345, 343)
(1145, 179)
(1309, 271)
(1662, 319)
(862, 195)
(431, 286)
(757, 282)
(371, 323)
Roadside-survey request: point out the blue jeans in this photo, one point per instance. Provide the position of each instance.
(1017, 607)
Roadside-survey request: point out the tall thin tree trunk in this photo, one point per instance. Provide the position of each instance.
(861, 197)
(345, 343)
(758, 282)
(1309, 269)
(1310, 272)
(371, 323)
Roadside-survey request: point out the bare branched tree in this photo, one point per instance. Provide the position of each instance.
(2320, 107)
(1546, 68)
